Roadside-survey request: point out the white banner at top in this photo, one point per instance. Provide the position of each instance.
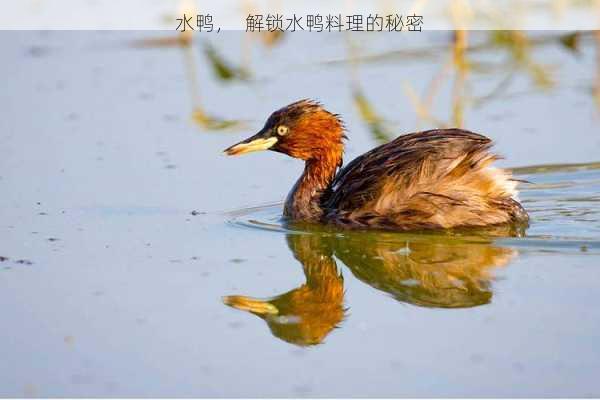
(299, 15)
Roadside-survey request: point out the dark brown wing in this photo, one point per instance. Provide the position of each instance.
(360, 180)
(425, 179)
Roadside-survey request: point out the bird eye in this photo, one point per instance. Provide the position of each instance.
(282, 130)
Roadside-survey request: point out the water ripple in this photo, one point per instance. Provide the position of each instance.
(562, 201)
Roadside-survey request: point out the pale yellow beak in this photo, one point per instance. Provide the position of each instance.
(255, 143)
(255, 306)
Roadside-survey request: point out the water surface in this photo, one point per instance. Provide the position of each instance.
(138, 261)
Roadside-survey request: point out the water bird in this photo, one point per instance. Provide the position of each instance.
(434, 179)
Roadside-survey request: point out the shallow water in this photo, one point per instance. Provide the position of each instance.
(133, 252)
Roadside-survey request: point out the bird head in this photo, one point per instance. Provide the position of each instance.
(303, 130)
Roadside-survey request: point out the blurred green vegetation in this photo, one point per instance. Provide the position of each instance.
(465, 58)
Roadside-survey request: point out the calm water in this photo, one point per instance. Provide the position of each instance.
(139, 261)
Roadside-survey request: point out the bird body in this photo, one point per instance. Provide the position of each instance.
(441, 178)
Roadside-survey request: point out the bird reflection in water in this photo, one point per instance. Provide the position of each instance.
(305, 315)
(425, 269)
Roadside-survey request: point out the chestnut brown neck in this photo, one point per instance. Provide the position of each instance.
(304, 200)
